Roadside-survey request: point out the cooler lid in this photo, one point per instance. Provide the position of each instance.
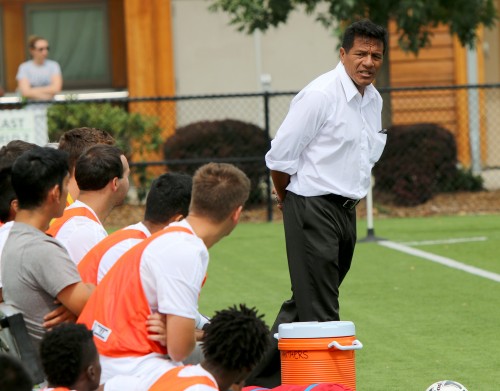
(316, 329)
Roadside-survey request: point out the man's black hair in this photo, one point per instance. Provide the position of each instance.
(169, 195)
(366, 29)
(8, 155)
(235, 339)
(97, 166)
(65, 352)
(37, 171)
(13, 376)
(10, 152)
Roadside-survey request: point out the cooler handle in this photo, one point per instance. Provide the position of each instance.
(356, 345)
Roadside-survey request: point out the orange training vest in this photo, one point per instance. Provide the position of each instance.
(89, 265)
(118, 309)
(171, 381)
(67, 215)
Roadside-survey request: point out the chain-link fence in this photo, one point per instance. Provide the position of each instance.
(440, 139)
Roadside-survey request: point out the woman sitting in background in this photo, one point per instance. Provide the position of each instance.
(39, 78)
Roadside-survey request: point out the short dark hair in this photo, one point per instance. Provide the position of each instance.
(364, 28)
(97, 166)
(169, 195)
(235, 339)
(66, 351)
(37, 171)
(13, 376)
(77, 140)
(218, 188)
(11, 151)
(8, 154)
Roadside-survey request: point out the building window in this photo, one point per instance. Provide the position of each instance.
(78, 36)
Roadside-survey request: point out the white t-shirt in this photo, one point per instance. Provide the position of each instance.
(38, 75)
(4, 234)
(172, 269)
(111, 256)
(79, 234)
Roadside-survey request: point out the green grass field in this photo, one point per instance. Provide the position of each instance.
(419, 321)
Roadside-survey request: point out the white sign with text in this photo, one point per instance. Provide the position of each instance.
(26, 124)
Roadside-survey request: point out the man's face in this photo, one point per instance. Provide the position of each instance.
(363, 61)
(123, 182)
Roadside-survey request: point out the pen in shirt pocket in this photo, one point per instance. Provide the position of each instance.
(383, 131)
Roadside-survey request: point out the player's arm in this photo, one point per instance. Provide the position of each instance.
(75, 296)
(61, 314)
(180, 337)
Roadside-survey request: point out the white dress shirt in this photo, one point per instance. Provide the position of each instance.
(330, 140)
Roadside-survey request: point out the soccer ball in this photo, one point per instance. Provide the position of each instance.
(446, 385)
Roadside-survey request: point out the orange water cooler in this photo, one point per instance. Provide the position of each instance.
(318, 352)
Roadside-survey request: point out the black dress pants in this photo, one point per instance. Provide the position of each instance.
(320, 237)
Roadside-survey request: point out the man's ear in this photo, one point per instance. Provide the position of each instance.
(342, 54)
(55, 193)
(237, 214)
(115, 183)
(90, 372)
(13, 208)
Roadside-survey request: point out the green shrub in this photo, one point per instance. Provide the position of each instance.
(419, 161)
(225, 139)
(132, 131)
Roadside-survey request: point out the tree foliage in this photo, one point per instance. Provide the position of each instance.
(414, 18)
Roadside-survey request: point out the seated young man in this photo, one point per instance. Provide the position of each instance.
(70, 360)
(234, 342)
(163, 273)
(75, 142)
(37, 270)
(101, 173)
(167, 201)
(8, 200)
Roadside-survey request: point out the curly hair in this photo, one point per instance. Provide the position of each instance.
(65, 352)
(235, 339)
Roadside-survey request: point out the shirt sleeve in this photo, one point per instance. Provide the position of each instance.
(57, 271)
(21, 72)
(308, 112)
(177, 280)
(56, 69)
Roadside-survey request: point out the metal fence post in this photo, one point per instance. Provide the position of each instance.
(265, 95)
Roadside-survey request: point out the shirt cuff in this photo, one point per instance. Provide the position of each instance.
(288, 167)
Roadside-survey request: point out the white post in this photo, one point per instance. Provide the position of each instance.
(370, 232)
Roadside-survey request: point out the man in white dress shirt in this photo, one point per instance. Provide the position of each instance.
(320, 162)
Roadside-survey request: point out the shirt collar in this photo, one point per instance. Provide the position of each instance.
(350, 88)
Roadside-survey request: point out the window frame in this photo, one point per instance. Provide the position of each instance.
(107, 81)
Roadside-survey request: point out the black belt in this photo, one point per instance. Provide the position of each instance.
(345, 202)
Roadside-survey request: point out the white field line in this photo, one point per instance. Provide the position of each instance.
(446, 241)
(442, 260)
